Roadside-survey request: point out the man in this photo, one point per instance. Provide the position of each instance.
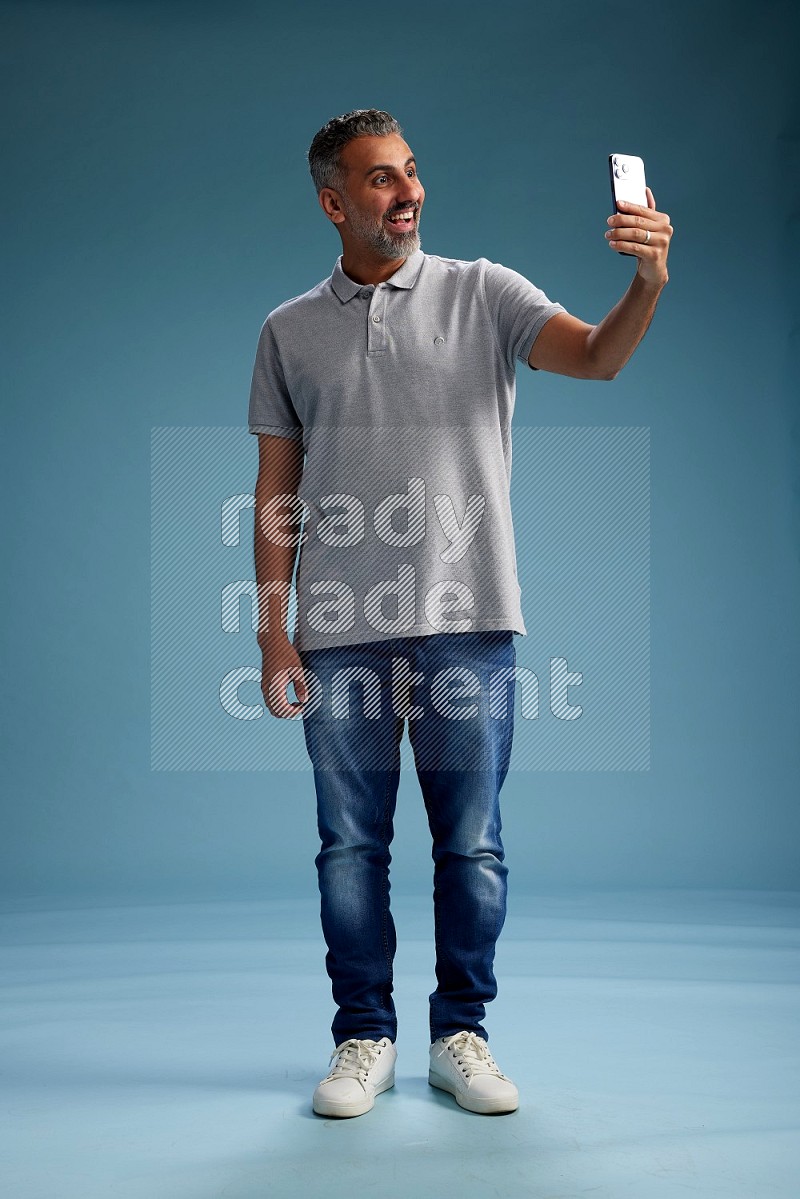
(396, 374)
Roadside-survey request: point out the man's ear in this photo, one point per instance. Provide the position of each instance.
(331, 205)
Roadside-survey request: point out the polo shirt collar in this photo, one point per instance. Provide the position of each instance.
(405, 276)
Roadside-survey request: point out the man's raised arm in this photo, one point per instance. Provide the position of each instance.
(569, 346)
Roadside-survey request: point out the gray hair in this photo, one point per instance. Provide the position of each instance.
(323, 155)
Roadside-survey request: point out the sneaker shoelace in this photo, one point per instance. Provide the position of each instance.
(472, 1052)
(354, 1059)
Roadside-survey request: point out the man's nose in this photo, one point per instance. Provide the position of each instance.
(411, 194)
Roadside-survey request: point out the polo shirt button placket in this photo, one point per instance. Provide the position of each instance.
(377, 324)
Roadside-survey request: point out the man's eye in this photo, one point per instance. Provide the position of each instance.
(410, 171)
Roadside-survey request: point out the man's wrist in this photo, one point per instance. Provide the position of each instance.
(272, 638)
(652, 287)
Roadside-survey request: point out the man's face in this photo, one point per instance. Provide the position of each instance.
(382, 182)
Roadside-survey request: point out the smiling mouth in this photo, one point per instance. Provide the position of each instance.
(399, 222)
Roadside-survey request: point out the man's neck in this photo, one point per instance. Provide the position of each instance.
(370, 270)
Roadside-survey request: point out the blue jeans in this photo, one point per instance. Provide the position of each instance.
(461, 731)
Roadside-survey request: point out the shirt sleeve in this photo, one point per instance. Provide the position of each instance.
(271, 409)
(517, 310)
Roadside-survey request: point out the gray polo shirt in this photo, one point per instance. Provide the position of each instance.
(402, 394)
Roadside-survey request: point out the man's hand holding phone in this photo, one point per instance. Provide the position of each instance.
(644, 233)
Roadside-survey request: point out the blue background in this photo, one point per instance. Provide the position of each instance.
(158, 205)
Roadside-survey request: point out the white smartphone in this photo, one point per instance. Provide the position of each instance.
(626, 172)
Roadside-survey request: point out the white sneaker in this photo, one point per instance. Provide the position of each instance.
(363, 1069)
(463, 1065)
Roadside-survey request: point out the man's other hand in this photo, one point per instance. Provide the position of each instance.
(280, 665)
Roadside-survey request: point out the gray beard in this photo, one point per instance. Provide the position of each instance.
(381, 241)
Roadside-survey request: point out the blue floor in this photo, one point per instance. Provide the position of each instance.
(170, 1052)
